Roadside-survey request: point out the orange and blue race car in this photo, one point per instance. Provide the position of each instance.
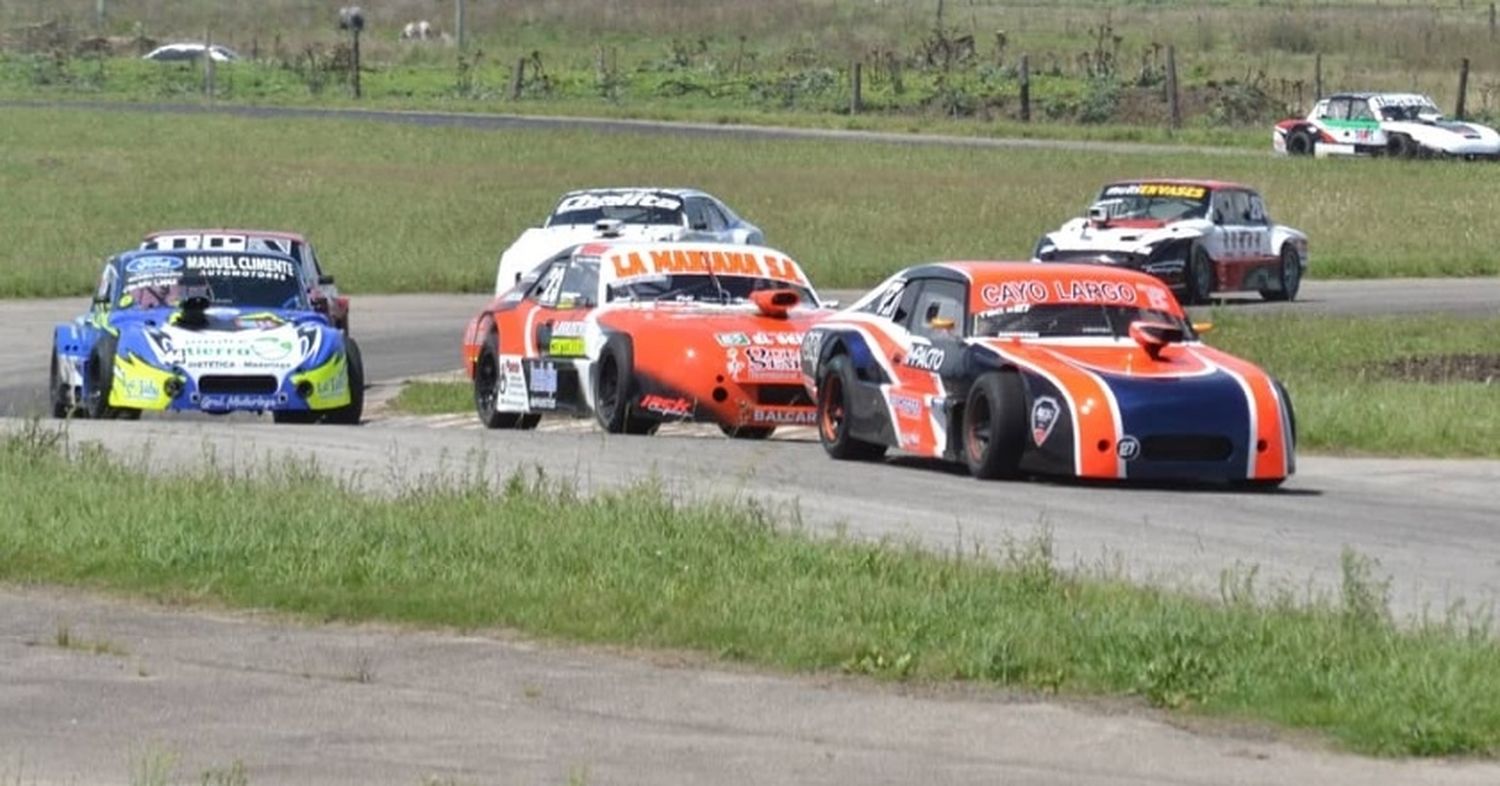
(1017, 369)
(641, 333)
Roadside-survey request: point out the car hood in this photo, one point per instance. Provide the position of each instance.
(232, 342)
(1445, 134)
(1134, 236)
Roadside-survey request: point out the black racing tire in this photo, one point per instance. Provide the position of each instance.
(99, 374)
(59, 402)
(1290, 274)
(615, 390)
(747, 432)
(833, 414)
(351, 413)
(1301, 142)
(1198, 278)
(487, 382)
(1401, 146)
(994, 425)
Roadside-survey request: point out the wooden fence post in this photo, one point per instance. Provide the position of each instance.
(1463, 88)
(208, 64)
(358, 91)
(516, 77)
(1318, 78)
(1025, 88)
(458, 23)
(1492, 21)
(1173, 104)
(856, 80)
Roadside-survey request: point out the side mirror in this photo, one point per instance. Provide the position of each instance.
(701, 226)
(1218, 216)
(1098, 215)
(1155, 336)
(100, 300)
(831, 304)
(326, 280)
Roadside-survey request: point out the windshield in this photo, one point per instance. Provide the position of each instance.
(1411, 111)
(699, 287)
(1027, 320)
(630, 207)
(1154, 201)
(239, 281)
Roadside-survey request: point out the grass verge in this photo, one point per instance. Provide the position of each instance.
(634, 568)
(398, 208)
(433, 398)
(1336, 368)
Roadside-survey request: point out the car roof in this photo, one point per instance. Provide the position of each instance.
(1212, 185)
(673, 190)
(980, 275)
(295, 237)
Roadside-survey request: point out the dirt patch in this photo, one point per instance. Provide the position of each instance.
(1444, 368)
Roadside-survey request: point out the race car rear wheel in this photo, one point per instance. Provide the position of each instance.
(487, 382)
(1290, 274)
(615, 390)
(748, 432)
(1199, 285)
(994, 425)
(1300, 142)
(833, 414)
(350, 414)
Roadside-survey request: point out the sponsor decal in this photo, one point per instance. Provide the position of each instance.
(1129, 448)
(142, 266)
(511, 393)
(271, 348)
(136, 389)
(568, 329)
(667, 406)
(765, 339)
(1009, 293)
(543, 402)
(1044, 416)
(1013, 292)
(543, 379)
(618, 199)
(566, 346)
(812, 346)
(725, 263)
(333, 387)
(732, 339)
(785, 417)
(237, 401)
(925, 357)
(772, 360)
(906, 406)
(1156, 297)
(1157, 190)
(243, 266)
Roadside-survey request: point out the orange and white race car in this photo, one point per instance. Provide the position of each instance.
(640, 333)
(1016, 368)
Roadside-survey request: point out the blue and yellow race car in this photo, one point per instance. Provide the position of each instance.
(205, 331)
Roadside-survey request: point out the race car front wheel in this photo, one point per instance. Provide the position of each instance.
(615, 390)
(1401, 146)
(833, 414)
(1200, 277)
(994, 425)
(488, 384)
(101, 377)
(350, 414)
(1290, 275)
(59, 398)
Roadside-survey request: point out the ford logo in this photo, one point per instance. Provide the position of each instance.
(142, 265)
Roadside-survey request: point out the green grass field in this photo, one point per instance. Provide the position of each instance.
(1346, 398)
(731, 581)
(398, 208)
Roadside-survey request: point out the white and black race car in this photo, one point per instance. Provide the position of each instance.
(654, 214)
(1402, 125)
(1199, 236)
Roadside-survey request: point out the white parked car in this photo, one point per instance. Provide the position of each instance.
(1199, 236)
(657, 214)
(1402, 125)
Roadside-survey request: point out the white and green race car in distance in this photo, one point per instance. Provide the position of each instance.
(1402, 125)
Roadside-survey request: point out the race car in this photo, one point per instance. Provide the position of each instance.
(1199, 236)
(322, 292)
(637, 334)
(204, 331)
(1015, 369)
(1401, 125)
(626, 214)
